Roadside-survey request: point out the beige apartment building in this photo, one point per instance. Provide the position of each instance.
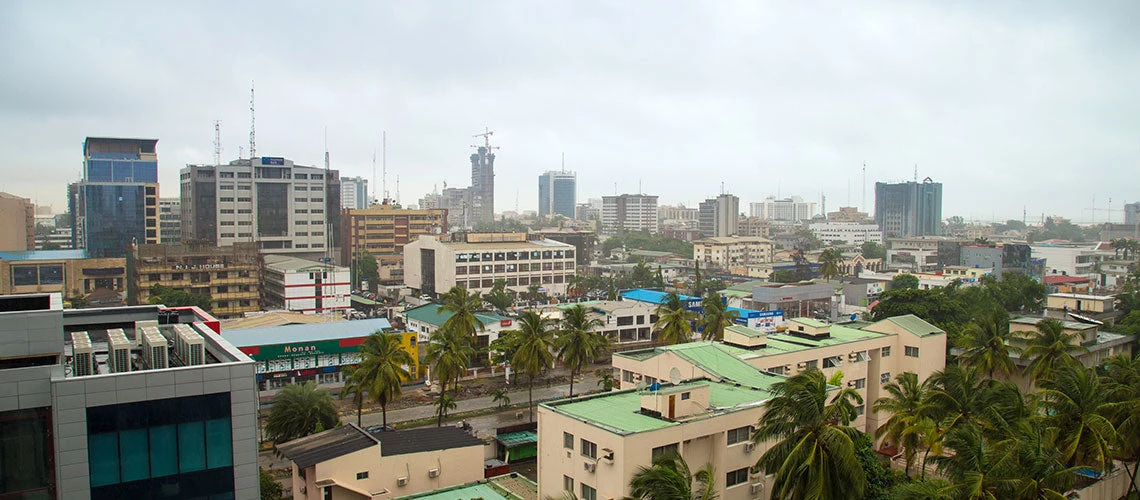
(230, 274)
(17, 223)
(729, 252)
(350, 463)
(432, 266)
(869, 355)
(1098, 345)
(382, 230)
(67, 272)
(623, 321)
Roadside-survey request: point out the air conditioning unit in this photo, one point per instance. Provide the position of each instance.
(154, 349)
(82, 355)
(801, 365)
(189, 345)
(118, 351)
(402, 481)
(787, 368)
(608, 454)
(589, 466)
(852, 357)
(850, 383)
(756, 488)
(433, 473)
(748, 447)
(568, 454)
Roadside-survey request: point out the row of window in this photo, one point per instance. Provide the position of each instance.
(308, 222)
(307, 200)
(519, 281)
(503, 256)
(309, 211)
(511, 268)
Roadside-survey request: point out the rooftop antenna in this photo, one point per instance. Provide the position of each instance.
(326, 151)
(397, 189)
(328, 219)
(373, 177)
(384, 163)
(563, 162)
(916, 173)
(217, 142)
(252, 121)
(516, 200)
(864, 185)
(241, 152)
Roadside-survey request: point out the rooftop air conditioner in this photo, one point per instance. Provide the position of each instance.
(433, 473)
(118, 351)
(82, 355)
(155, 349)
(402, 481)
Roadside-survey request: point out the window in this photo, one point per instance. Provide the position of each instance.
(860, 409)
(626, 376)
(226, 211)
(832, 361)
(226, 187)
(811, 364)
(886, 352)
(860, 383)
(661, 450)
(589, 449)
(568, 483)
(225, 199)
(885, 378)
(778, 370)
(301, 200)
(911, 351)
(589, 493)
(568, 440)
(738, 476)
(361, 475)
(686, 395)
(739, 434)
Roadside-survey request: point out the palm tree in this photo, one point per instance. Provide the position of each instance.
(605, 378)
(354, 386)
(533, 357)
(383, 369)
(906, 396)
(815, 454)
(446, 404)
(716, 317)
(934, 489)
(1050, 348)
(1122, 382)
(300, 410)
(500, 396)
(462, 306)
(578, 343)
(669, 478)
(1077, 405)
(975, 467)
(448, 353)
(1039, 469)
(958, 397)
(829, 261)
(985, 344)
(674, 322)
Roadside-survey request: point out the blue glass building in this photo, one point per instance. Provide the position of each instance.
(557, 193)
(116, 204)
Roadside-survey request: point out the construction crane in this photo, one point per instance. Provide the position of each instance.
(486, 140)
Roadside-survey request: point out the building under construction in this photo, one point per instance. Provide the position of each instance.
(231, 275)
(482, 188)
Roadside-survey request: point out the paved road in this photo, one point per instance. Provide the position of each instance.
(587, 382)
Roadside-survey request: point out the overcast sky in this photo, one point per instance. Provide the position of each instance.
(1009, 105)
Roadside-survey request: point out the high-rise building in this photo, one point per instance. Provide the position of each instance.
(557, 193)
(382, 230)
(629, 212)
(170, 220)
(354, 192)
(789, 209)
(1132, 213)
(909, 209)
(482, 191)
(116, 203)
(285, 208)
(718, 216)
(17, 223)
(124, 402)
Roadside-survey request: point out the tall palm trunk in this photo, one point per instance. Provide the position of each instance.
(442, 393)
(573, 372)
(359, 408)
(384, 411)
(530, 395)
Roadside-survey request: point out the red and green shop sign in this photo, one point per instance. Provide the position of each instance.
(303, 349)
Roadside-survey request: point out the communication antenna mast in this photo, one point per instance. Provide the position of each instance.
(328, 219)
(397, 189)
(384, 162)
(252, 121)
(864, 185)
(373, 178)
(217, 142)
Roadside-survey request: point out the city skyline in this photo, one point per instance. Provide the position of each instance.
(982, 98)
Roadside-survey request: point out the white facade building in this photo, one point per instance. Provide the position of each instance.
(851, 233)
(305, 286)
(629, 212)
(353, 192)
(793, 209)
(170, 220)
(732, 251)
(434, 267)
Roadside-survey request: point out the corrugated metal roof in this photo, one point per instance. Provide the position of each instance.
(327, 445)
(652, 296)
(433, 314)
(44, 255)
(290, 334)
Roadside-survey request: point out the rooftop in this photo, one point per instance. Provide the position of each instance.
(915, 325)
(723, 240)
(44, 255)
(652, 296)
(511, 486)
(433, 314)
(837, 334)
(620, 412)
(510, 245)
(1082, 296)
(322, 446)
(277, 318)
(288, 263)
(1069, 325)
(724, 362)
(289, 334)
(810, 322)
(425, 439)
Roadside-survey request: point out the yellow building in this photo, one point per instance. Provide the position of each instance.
(17, 223)
(383, 230)
(67, 272)
(230, 275)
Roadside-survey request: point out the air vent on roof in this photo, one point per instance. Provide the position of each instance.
(118, 351)
(82, 355)
(154, 346)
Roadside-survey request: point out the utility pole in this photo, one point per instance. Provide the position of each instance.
(252, 130)
(217, 142)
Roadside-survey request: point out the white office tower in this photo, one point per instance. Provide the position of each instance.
(118, 351)
(188, 344)
(154, 349)
(82, 355)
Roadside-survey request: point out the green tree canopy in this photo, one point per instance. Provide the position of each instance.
(904, 281)
(873, 250)
(299, 410)
(171, 297)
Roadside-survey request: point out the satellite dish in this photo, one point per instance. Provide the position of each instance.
(674, 375)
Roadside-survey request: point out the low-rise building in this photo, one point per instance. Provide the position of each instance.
(426, 319)
(850, 233)
(67, 272)
(583, 241)
(801, 299)
(306, 286)
(1071, 259)
(123, 402)
(733, 251)
(320, 352)
(624, 322)
(230, 275)
(17, 223)
(511, 486)
(352, 463)
(967, 275)
(434, 267)
(1081, 307)
(1098, 345)
(382, 230)
(1059, 283)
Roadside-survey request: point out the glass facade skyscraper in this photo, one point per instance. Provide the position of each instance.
(557, 193)
(117, 202)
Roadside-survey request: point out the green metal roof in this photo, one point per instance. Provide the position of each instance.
(513, 439)
(915, 325)
(810, 322)
(639, 354)
(837, 334)
(434, 314)
(618, 412)
(722, 364)
(506, 487)
(1071, 325)
(744, 330)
